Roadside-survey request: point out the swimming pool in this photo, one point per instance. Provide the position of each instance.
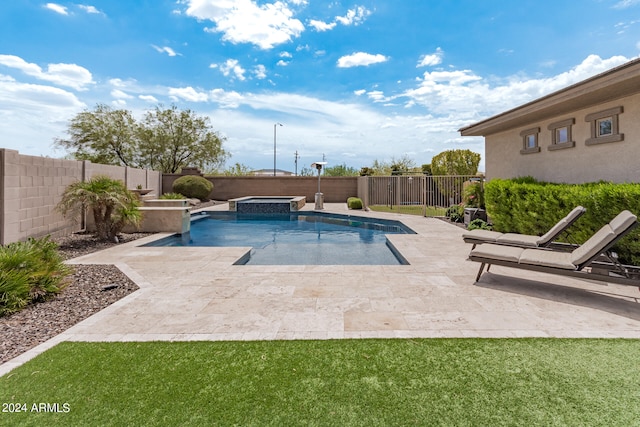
(310, 238)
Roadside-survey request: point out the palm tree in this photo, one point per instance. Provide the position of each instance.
(113, 206)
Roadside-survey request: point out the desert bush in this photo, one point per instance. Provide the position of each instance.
(193, 187)
(354, 203)
(30, 271)
(455, 213)
(480, 224)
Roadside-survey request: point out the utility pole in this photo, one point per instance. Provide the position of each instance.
(297, 156)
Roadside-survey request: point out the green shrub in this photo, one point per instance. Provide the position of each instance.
(527, 206)
(193, 186)
(30, 271)
(455, 213)
(479, 223)
(354, 203)
(473, 195)
(171, 196)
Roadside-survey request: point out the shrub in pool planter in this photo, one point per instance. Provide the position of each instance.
(193, 187)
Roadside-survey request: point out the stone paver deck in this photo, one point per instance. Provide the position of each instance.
(190, 293)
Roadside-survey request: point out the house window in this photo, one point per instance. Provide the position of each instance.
(604, 126)
(561, 135)
(530, 141)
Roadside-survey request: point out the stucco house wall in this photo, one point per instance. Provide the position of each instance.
(581, 160)
(614, 161)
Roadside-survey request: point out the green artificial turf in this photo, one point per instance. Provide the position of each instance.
(479, 382)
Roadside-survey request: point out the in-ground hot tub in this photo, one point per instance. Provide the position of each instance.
(267, 204)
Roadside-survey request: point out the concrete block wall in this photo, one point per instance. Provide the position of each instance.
(335, 189)
(32, 186)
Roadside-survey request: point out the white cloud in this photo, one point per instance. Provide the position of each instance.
(231, 99)
(354, 16)
(57, 8)
(187, 94)
(69, 75)
(285, 55)
(466, 95)
(232, 68)
(148, 98)
(31, 115)
(90, 9)
(282, 63)
(360, 92)
(432, 59)
(360, 59)
(376, 96)
(322, 26)
(260, 71)
(118, 94)
(623, 4)
(164, 49)
(244, 21)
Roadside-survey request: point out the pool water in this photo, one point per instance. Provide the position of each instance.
(310, 238)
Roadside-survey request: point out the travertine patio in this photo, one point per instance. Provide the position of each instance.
(191, 293)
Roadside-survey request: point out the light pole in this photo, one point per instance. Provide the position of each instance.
(274, 147)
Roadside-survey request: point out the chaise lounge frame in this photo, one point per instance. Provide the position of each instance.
(599, 262)
(477, 237)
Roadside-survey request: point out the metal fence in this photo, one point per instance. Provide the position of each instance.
(414, 194)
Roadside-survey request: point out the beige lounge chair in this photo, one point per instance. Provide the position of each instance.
(524, 240)
(592, 260)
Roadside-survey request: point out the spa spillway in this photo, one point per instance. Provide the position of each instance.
(267, 204)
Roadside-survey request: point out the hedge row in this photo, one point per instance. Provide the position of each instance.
(527, 206)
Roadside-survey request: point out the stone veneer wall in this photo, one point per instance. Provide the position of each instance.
(31, 187)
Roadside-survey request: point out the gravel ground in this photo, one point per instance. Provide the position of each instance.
(91, 288)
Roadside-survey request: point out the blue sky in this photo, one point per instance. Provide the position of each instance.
(351, 81)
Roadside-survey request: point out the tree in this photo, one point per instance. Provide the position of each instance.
(238, 169)
(366, 171)
(306, 171)
(173, 139)
(455, 162)
(112, 205)
(426, 169)
(380, 168)
(166, 140)
(340, 170)
(104, 136)
(402, 165)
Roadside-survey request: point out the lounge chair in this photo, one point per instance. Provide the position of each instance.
(524, 240)
(592, 260)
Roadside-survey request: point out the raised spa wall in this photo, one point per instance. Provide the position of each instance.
(158, 216)
(295, 204)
